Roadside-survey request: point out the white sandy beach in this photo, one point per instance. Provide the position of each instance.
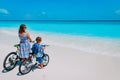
(75, 61)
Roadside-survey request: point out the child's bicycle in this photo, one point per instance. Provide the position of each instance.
(12, 59)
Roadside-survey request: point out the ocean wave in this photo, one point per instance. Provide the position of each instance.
(92, 45)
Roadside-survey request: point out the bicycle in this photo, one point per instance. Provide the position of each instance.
(29, 64)
(13, 58)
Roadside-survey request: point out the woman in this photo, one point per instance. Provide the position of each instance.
(25, 40)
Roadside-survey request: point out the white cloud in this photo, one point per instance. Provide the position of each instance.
(4, 11)
(117, 12)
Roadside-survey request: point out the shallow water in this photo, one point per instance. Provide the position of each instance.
(95, 28)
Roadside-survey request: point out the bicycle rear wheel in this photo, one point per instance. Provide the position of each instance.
(10, 61)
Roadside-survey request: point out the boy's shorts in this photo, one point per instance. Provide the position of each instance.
(39, 59)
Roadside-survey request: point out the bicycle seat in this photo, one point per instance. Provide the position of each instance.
(17, 45)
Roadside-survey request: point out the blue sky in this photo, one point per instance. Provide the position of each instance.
(59, 9)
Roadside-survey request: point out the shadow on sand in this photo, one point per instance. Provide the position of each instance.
(5, 71)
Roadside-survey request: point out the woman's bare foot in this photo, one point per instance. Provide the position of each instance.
(23, 59)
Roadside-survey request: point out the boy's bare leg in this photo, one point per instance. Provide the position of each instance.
(41, 65)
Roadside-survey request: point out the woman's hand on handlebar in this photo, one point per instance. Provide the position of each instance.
(32, 41)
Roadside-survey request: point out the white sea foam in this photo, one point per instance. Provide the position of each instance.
(95, 45)
(104, 49)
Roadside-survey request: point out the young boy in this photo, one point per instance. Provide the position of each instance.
(38, 50)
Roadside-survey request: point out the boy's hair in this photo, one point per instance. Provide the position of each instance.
(38, 39)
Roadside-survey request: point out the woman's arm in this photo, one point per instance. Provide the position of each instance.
(28, 36)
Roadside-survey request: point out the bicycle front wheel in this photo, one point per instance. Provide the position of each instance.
(45, 60)
(25, 67)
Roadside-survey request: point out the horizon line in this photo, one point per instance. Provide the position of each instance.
(69, 20)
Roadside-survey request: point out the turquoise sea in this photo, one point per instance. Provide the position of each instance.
(109, 29)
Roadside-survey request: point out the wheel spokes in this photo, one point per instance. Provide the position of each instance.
(45, 60)
(25, 67)
(10, 62)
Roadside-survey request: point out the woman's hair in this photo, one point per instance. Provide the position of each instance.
(38, 39)
(22, 28)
